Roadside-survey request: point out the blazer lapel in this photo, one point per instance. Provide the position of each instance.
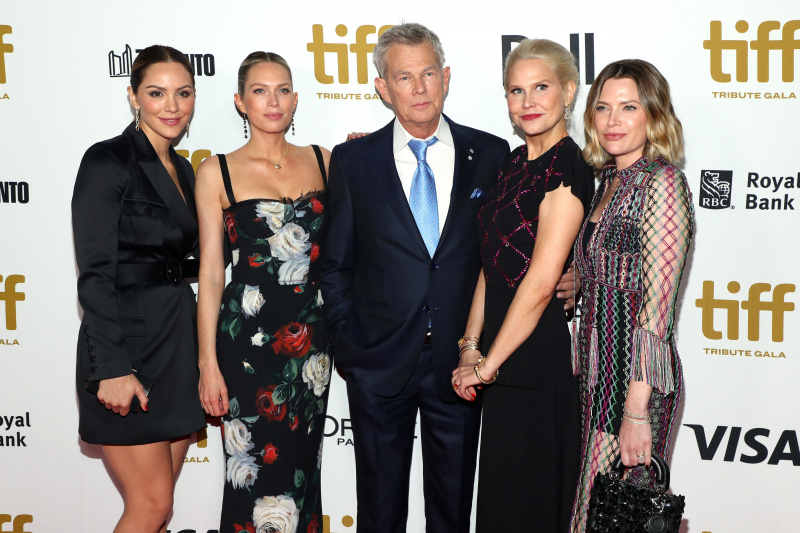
(466, 156)
(380, 158)
(182, 212)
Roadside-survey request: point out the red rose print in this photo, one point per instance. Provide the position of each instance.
(293, 339)
(294, 423)
(314, 252)
(266, 407)
(298, 289)
(256, 260)
(313, 526)
(247, 528)
(270, 453)
(230, 226)
(316, 206)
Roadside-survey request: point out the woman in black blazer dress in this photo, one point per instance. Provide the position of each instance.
(134, 222)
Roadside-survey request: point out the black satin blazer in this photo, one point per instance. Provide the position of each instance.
(128, 214)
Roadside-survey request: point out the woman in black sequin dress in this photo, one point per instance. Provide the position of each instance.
(529, 451)
(264, 363)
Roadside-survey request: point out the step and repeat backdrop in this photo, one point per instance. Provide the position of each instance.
(64, 70)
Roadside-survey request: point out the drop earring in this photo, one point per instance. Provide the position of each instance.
(137, 119)
(292, 122)
(187, 128)
(567, 111)
(244, 121)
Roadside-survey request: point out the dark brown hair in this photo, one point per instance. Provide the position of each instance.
(157, 53)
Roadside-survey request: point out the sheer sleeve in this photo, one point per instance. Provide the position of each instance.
(666, 232)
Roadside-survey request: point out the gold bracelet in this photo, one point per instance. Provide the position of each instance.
(468, 340)
(478, 372)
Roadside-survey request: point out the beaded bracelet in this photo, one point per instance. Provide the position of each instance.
(625, 412)
(635, 422)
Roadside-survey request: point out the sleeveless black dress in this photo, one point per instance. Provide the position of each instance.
(271, 350)
(530, 434)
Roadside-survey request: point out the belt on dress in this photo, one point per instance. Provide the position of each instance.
(171, 271)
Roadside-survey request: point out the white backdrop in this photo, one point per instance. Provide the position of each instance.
(734, 75)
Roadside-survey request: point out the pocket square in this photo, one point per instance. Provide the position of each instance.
(477, 193)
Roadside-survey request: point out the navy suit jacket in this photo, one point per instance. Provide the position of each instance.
(380, 285)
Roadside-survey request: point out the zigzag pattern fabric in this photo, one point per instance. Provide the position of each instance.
(630, 274)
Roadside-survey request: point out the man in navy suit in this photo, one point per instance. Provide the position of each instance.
(401, 264)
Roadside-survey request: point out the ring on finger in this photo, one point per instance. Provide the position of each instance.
(640, 457)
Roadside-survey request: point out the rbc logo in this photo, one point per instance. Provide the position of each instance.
(763, 44)
(360, 49)
(715, 189)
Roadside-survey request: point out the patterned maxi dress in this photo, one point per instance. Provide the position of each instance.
(272, 352)
(631, 270)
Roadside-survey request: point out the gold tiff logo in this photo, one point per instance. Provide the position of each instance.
(11, 296)
(361, 48)
(196, 158)
(753, 306)
(763, 45)
(17, 523)
(5, 48)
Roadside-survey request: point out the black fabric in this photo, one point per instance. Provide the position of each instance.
(126, 209)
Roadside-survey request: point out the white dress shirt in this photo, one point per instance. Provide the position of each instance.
(441, 157)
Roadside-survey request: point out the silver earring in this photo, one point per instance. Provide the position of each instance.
(244, 121)
(137, 119)
(567, 111)
(292, 122)
(187, 128)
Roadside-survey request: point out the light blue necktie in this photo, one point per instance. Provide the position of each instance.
(422, 198)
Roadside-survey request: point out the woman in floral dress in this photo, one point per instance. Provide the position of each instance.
(264, 364)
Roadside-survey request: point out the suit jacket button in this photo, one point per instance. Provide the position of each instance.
(427, 308)
(434, 266)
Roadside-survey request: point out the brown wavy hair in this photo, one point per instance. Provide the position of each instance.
(664, 130)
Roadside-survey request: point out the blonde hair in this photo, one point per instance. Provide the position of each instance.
(259, 57)
(664, 130)
(558, 57)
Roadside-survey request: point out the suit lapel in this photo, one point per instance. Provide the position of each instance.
(463, 171)
(182, 212)
(380, 158)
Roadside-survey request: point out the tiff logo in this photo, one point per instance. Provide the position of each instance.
(715, 189)
(17, 523)
(361, 48)
(763, 44)
(753, 305)
(11, 297)
(574, 47)
(5, 48)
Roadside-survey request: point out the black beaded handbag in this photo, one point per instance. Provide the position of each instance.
(618, 506)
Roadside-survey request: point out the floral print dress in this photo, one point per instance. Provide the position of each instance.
(272, 352)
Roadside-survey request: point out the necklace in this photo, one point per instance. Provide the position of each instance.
(276, 165)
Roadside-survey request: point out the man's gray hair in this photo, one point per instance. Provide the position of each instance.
(408, 33)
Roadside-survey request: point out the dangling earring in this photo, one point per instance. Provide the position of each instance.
(292, 122)
(244, 121)
(513, 128)
(567, 111)
(137, 119)
(187, 128)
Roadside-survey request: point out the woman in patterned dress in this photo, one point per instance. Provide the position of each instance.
(263, 361)
(630, 255)
(530, 431)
